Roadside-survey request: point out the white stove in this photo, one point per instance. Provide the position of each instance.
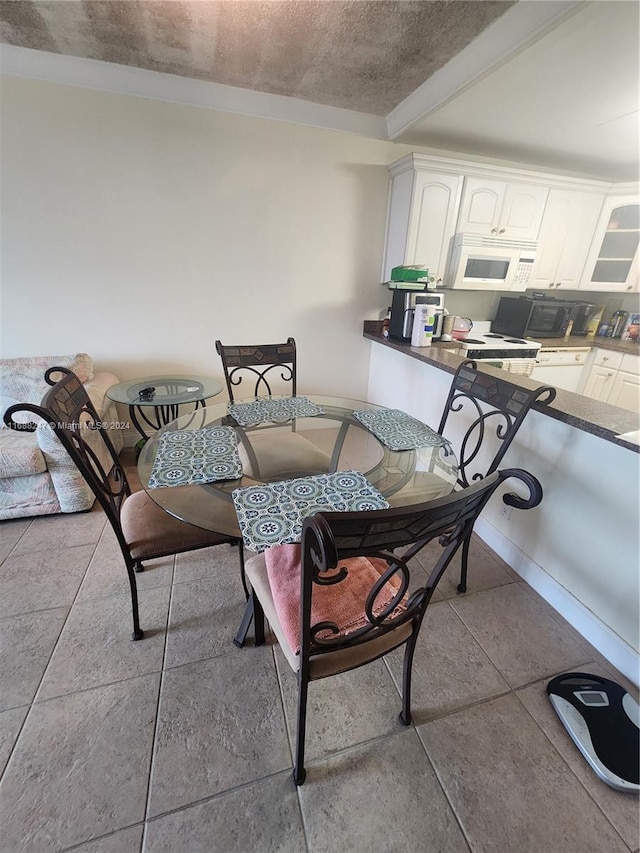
(489, 346)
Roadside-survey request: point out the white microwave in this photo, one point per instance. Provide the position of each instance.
(490, 263)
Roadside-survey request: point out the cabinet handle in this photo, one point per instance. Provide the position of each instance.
(502, 230)
(629, 287)
(494, 230)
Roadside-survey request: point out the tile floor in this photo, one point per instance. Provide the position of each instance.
(182, 742)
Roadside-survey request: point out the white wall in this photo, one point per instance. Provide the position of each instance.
(580, 547)
(141, 231)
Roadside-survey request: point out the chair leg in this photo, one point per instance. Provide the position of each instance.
(138, 567)
(407, 667)
(241, 633)
(138, 633)
(258, 620)
(462, 586)
(243, 576)
(299, 773)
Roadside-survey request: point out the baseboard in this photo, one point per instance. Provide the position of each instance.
(619, 653)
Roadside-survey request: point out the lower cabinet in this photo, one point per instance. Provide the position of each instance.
(614, 378)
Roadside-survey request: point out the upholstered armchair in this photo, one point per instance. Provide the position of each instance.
(37, 476)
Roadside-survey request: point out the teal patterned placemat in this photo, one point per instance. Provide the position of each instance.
(277, 410)
(192, 456)
(399, 431)
(273, 514)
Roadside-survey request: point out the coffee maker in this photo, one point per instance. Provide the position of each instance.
(403, 306)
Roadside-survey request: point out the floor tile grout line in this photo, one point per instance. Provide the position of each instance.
(157, 714)
(292, 748)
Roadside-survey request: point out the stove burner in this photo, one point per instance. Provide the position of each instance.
(494, 335)
(515, 341)
(473, 341)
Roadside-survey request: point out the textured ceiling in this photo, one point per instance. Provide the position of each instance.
(359, 55)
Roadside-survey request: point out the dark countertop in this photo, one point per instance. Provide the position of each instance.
(583, 413)
(601, 343)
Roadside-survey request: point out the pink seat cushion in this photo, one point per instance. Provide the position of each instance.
(341, 603)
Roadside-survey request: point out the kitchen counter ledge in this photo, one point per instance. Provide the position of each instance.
(583, 413)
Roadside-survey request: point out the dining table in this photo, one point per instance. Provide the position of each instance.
(325, 453)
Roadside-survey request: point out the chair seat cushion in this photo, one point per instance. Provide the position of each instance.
(151, 532)
(275, 579)
(282, 454)
(20, 454)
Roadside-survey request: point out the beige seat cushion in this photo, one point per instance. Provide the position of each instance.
(330, 663)
(282, 454)
(152, 532)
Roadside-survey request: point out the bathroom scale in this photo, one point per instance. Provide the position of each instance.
(604, 723)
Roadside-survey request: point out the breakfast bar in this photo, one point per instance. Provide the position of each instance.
(579, 550)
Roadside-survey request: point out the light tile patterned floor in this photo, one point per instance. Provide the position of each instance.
(182, 742)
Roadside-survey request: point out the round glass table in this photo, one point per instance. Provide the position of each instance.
(334, 440)
(156, 400)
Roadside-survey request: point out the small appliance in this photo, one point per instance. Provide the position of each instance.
(491, 346)
(403, 305)
(582, 313)
(603, 721)
(490, 263)
(521, 316)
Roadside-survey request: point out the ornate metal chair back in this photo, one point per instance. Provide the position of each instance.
(494, 409)
(258, 365)
(70, 414)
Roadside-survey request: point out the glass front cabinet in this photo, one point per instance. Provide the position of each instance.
(613, 261)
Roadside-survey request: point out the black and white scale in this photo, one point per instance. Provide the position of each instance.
(604, 723)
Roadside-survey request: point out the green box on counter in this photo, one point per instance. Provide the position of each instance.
(410, 273)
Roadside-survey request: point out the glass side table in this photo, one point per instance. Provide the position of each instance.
(154, 401)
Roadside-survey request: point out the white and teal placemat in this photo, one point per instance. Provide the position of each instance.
(189, 456)
(278, 410)
(399, 431)
(273, 514)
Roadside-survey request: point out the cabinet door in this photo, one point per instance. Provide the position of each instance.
(522, 211)
(566, 232)
(481, 205)
(625, 391)
(612, 264)
(599, 383)
(432, 223)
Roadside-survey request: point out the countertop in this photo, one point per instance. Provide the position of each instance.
(630, 347)
(583, 413)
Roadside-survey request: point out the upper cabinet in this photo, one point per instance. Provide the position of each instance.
(612, 263)
(507, 209)
(569, 220)
(423, 208)
(554, 217)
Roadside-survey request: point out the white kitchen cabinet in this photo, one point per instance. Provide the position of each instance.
(614, 378)
(423, 209)
(625, 391)
(599, 383)
(569, 220)
(613, 261)
(507, 209)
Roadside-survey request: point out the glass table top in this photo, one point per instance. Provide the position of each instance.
(167, 390)
(402, 476)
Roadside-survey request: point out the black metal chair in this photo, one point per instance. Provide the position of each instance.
(282, 453)
(365, 556)
(492, 410)
(144, 531)
(259, 364)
